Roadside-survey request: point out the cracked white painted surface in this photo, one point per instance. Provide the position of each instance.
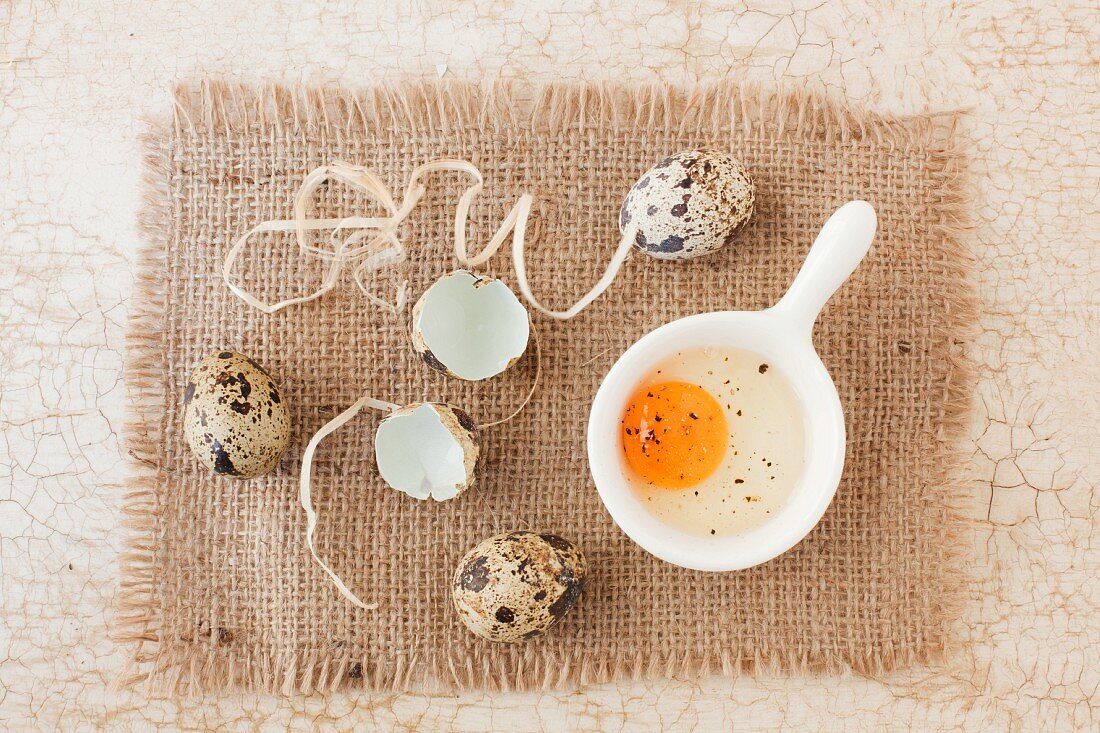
(75, 82)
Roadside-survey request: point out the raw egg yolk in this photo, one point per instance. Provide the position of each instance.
(674, 434)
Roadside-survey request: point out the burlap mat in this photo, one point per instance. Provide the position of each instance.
(218, 588)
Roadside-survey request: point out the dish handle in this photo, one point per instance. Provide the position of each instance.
(836, 252)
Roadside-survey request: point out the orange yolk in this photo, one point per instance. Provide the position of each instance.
(674, 434)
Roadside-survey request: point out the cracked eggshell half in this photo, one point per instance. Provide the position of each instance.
(235, 418)
(469, 326)
(427, 449)
(516, 585)
(689, 204)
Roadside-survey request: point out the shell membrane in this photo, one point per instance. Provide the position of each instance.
(235, 418)
(427, 449)
(689, 204)
(469, 326)
(515, 586)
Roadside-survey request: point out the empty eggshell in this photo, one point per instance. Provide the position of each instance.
(689, 204)
(427, 449)
(516, 585)
(235, 418)
(469, 326)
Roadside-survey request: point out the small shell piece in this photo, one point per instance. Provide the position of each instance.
(235, 418)
(469, 326)
(516, 585)
(689, 204)
(427, 449)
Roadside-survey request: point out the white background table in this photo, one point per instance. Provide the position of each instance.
(76, 82)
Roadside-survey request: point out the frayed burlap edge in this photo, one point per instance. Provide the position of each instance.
(218, 109)
(137, 621)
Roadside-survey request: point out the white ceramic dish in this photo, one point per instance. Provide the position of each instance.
(782, 336)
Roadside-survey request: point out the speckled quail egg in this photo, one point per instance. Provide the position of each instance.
(516, 585)
(689, 204)
(427, 449)
(469, 326)
(235, 418)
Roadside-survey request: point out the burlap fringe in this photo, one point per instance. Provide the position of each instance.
(210, 108)
(217, 108)
(950, 487)
(137, 621)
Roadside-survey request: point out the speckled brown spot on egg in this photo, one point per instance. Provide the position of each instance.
(573, 588)
(434, 363)
(466, 421)
(222, 462)
(672, 243)
(475, 575)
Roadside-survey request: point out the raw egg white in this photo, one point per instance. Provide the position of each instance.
(713, 441)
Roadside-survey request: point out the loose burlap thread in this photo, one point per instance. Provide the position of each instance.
(218, 588)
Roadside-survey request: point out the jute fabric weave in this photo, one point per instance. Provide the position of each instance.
(218, 588)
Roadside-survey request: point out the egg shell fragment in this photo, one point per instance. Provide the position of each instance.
(516, 585)
(427, 449)
(469, 326)
(689, 204)
(235, 418)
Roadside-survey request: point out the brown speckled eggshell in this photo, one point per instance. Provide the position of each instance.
(235, 418)
(689, 204)
(516, 585)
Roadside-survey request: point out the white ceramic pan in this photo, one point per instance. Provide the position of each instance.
(782, 336)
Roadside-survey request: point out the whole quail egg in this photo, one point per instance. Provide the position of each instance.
(235, 418)
(516, 585)
(689, 204)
